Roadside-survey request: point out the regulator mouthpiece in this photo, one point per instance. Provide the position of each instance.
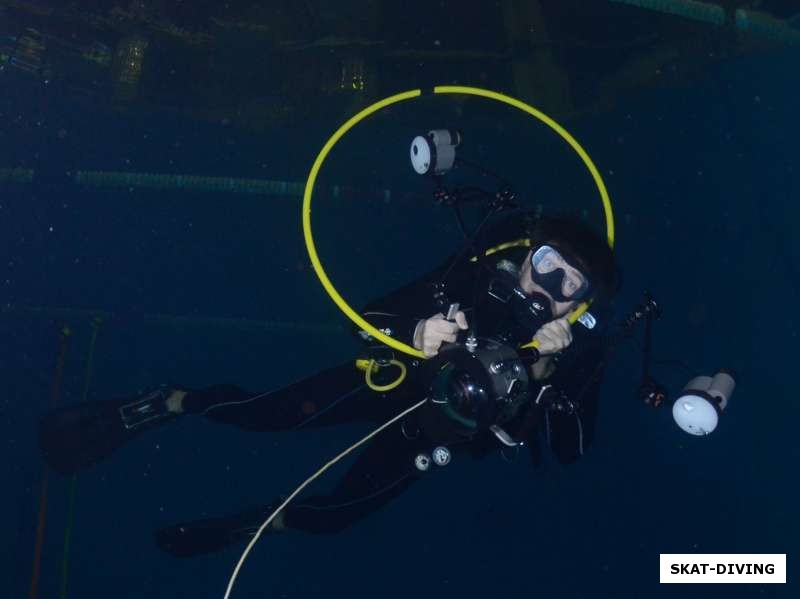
(702, 402)
(435, 153)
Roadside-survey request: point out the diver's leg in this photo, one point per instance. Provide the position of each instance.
(79, 435)
(199, 537)
(333, 396)
(382, 473)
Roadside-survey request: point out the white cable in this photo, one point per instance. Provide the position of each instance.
(308, 481)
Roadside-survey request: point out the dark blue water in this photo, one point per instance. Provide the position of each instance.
(705, 181)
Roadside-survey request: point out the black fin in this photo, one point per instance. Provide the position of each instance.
(199, 537)
(80, 435)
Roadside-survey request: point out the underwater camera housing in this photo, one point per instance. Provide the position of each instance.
(480, 388)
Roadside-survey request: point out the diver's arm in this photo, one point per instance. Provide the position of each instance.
(403, 309)
(396, 326)
(402, 312)
(580, 377)
(398, 313)
(553, 338)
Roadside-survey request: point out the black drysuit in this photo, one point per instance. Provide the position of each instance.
(386, 467)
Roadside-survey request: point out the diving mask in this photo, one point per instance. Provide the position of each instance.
(557, 275)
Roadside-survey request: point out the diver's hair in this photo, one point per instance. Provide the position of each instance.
(584, 245)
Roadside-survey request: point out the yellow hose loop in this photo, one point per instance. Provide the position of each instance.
(565, 135)
(374, 367)
(505, 246)
(369, 110)
(309, 239)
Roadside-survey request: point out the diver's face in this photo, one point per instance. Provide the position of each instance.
(529, 286)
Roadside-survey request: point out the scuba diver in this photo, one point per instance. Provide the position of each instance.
(516, 291)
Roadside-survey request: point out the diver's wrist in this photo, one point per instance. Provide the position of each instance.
(543, 368)
(417, 337)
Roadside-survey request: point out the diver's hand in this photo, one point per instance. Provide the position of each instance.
(554, 336)
(431, 333)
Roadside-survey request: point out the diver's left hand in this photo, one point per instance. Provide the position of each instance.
(554, 336)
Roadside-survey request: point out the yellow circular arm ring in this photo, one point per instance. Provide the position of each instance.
(369, 110)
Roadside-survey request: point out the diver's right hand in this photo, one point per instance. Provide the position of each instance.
(430, 334)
